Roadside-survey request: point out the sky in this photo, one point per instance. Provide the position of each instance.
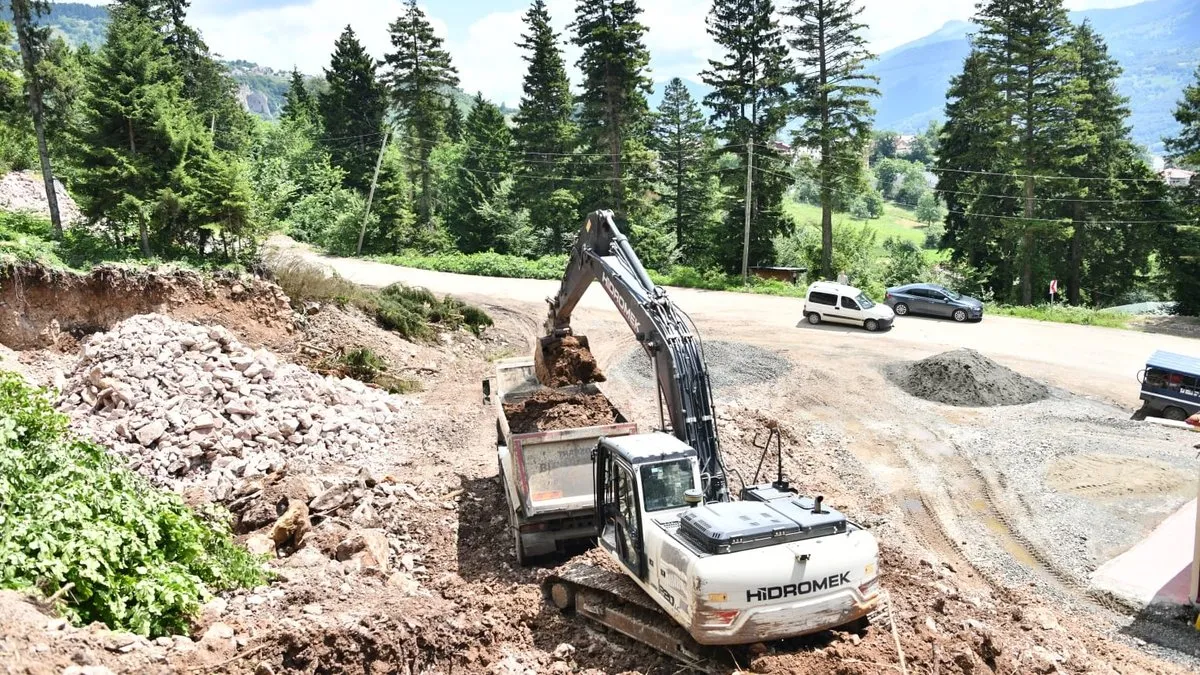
(481, 34)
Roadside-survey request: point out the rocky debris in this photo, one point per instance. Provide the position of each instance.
(191, 404)
(559, 363)
(26, 191)
(548, 409)
(730, 364)
(964, 377)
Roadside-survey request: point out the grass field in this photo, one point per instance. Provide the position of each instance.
(897, 221)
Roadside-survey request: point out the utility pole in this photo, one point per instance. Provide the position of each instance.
(371, 194)
(749, 192)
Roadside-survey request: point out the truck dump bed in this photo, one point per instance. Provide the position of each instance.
(551, 457)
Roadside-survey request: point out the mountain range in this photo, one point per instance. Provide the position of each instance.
(1156, 42)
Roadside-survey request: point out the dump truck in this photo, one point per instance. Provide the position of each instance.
(547, 475)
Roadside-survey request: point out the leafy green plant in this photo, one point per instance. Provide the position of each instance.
(1064, 314)
(78, 523)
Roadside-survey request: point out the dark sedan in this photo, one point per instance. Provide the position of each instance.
(932, 300)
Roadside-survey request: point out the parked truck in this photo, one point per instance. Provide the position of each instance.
(547, 475)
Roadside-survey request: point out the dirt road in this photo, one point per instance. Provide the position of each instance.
(1097, 361)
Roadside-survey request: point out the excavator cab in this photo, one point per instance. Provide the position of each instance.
(639, 477)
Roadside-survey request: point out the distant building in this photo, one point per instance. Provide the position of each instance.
(904, 144)
(1176, 177)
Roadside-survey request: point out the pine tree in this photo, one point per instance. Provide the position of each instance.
(1182, 249)
(686, 165)
(1103, 257)
(1185, 148)
(33, 40)
(833, 95)
(352, 110)
(138, 126)
(454, 120)
(299, 105)
(613, 110)
(970, 142)
(419, 72)
(749, 104)
(544, 133)
(1025, 42)
(486, 163)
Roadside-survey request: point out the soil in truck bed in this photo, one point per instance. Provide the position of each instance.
(565, 362)
(548, 410)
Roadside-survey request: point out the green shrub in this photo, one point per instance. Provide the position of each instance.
(134, 557)
(1064, 314)
(487, 264)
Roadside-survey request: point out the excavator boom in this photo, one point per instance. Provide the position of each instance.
(668, 336)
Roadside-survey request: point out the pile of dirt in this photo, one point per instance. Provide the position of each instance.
(547, 410)
(41, 307)
(568, 361)
(730, 364)
(964, 377)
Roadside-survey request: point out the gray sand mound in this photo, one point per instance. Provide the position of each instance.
(730, 364)
(965, 377)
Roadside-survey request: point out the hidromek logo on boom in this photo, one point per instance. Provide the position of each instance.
(803, 588)
(622, 306)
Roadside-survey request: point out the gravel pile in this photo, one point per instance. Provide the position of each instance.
(26, 191)
(192, 405)
(964, 377)
(730, 364)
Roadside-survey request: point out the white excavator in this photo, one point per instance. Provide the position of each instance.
(767, 566)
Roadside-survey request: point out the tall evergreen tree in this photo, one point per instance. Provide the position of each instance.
(687, 166)
(1025, 41)
(33, 40)
(749, 107)
(1183, 250)
(545, 134)
(487, 161)
(299, 105)
(833, 95)
(419, 73)
(138, 126)
(352, 110)
(970, 141)
(1107, 180)
(454, 120)
(613, 111)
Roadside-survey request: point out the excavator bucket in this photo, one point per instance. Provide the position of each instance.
(564, 361)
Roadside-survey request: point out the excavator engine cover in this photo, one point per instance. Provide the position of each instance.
(741, 526)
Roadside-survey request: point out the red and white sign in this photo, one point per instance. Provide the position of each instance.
(1053, 286)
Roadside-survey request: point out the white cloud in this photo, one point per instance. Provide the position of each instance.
(300, 35)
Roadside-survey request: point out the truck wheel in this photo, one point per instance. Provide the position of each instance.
(871, 325)
(814, 318)
(519, 548)
(1174, 413)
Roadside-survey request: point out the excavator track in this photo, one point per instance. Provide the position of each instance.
(614, 600)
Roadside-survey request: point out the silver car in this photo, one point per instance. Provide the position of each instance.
(932, 300)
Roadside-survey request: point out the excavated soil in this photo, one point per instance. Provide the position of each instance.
(42, 308)
(565, 362)
(547, 410)
(964, 377)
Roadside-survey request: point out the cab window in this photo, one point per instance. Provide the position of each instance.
(847, 303)
(663, 484)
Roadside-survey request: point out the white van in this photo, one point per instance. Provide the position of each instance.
(839, 303)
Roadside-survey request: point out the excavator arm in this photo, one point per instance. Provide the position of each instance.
(667, 335)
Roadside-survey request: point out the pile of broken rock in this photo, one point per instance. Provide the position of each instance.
(191, 405)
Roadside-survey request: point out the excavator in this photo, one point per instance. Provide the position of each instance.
(766, 566)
